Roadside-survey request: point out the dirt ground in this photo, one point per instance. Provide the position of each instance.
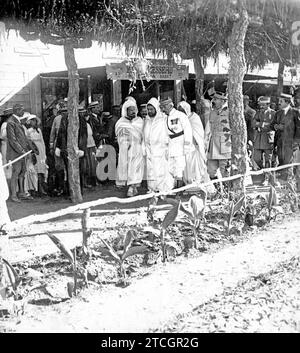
(159, 294)
(49, 204)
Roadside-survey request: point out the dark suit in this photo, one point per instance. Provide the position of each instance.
(62, 143)
(263, 140)
(17, 142)
(17, 145)
(284, 138)
(249, 114)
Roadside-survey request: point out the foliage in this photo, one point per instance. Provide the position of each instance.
(71, 287)
(128, 251)
(234, 208)
(291, 196)
(169, 218)
(272, 203)
(197, 205)
(10, 280)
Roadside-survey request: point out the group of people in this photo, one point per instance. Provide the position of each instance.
(21, 133)
(274, 136)
(165, 148)
(165, 145)
(44, 170)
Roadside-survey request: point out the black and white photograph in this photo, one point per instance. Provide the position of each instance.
(149, 169)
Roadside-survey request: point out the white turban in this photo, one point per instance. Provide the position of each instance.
(126, 105)
(155, 103)
(186, 107)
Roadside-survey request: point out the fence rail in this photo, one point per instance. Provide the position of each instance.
(86, 205)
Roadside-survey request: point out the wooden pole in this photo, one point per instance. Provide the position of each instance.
(73, 124)
(86, 231)
(89, 87)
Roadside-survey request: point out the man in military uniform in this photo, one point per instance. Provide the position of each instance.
(263, 135)
(296, 145)
(95, 114)
(219, 146)
(249, 114)
(180, 139)
(285, 123)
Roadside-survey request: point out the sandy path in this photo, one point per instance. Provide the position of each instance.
(169, 290)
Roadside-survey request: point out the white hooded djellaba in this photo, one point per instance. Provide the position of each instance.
(129, 134)
(4, 194)
(156, 149)
(196, 169)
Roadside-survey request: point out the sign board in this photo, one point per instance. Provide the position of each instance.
(159, 70)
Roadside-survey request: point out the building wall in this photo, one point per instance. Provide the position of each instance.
(21, 63)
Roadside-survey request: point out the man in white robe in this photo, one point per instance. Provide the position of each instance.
(180, 139)
(196, 168)
(156, 149)
(129, 133)
(4, 194)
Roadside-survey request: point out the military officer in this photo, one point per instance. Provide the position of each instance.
(180, 142)
(285, 123)
(263, 135)
(219, 145)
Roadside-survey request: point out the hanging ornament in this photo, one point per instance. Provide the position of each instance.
(138, 67)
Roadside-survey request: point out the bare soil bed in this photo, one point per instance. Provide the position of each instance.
(44, 305)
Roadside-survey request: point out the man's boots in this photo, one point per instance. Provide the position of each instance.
(60, 176)
(41, 189)
(13, 186)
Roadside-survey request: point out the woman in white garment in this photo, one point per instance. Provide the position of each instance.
(156, 149)
(196, 169)
(4, 194)
(3, 139)
(129, 133)
(34, 133)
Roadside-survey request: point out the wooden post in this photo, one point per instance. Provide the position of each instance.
(116, 92)
(236, 72)
(157, 89)
(89, 88)
(177, 92)
(86, 232)
(73, 125)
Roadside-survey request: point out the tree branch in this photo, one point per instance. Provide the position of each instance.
(112, 16)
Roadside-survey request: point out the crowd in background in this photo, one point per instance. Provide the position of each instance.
(165, 145)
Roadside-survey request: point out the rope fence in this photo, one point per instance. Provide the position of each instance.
(16, 160)
(86, 205)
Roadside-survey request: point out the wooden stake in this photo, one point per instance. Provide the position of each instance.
(86, 232)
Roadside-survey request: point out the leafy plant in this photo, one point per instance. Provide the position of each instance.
(292, 196)
(272, 203)
(71, 256)
(151, 209)
(10, 280)
(128, 250)
(197, 205)
(170, 217)
(233, 209)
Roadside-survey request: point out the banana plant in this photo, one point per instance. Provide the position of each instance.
(128, 250)
(233, 209)
(272, 203)
(71, 256)
(169, 218)
(194, 217)
(293, 197)
(9, 280)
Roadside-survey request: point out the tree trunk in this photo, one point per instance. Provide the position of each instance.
(199, 82)
(237, 70)
(73, 125)
(280, 78)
